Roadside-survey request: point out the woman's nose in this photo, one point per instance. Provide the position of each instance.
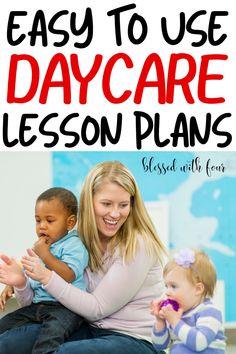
(114, 213)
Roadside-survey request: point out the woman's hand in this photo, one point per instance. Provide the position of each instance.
(11, 272)
(35, 269)
(6, 294)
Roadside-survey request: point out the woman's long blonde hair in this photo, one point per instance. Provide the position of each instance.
(138, 221)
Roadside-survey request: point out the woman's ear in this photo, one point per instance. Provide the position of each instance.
(71, 221)
(200, 288)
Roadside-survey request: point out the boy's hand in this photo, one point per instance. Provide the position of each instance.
(6, 294)
(42, 247)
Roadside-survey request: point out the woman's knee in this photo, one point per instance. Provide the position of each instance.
(19, 340)
(114, 344)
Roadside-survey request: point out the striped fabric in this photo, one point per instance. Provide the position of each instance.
(199, 330)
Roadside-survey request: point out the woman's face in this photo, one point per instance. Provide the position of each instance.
(111, 207)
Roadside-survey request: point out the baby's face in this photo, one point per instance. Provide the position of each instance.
(180, 289)
(51, 219)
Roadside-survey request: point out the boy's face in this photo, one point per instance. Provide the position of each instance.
(51, 219)
(180, 289)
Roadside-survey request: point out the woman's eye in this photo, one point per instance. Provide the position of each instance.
(124, 205)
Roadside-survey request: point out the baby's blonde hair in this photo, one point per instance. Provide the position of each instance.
(201, 270)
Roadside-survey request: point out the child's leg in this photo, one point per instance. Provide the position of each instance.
(21, 317)
(58, 323)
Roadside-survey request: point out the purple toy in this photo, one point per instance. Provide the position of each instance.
(174, 304)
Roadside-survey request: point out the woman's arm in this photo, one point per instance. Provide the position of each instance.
(118, 287)
(24, 296)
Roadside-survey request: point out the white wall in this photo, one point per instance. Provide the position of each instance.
(159, 213)
(23, 176)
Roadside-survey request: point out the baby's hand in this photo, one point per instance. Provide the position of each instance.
(6, 294)
(42, 247)
(155, 307)
(171, 316)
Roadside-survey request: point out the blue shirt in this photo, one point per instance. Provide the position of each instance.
(70, 250)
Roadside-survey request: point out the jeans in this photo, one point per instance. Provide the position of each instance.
(87, 340)
(57, 324)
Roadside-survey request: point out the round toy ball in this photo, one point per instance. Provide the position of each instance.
(173, 303)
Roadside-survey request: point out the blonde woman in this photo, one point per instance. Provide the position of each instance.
(123, 276)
